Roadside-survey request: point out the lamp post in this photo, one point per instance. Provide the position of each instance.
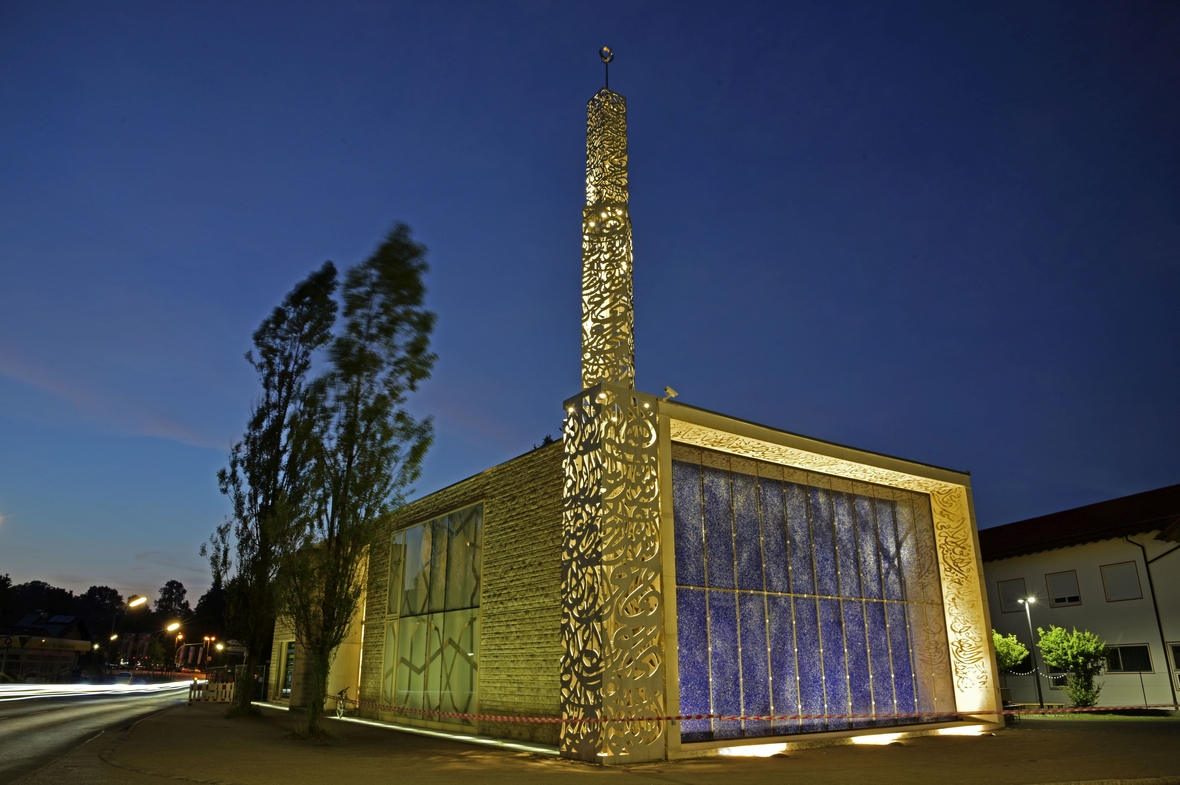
(135, 601)
(1032, 649)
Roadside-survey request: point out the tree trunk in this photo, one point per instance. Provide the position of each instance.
(244, 683)
(317, 692)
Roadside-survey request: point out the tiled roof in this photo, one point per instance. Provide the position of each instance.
(1157, 510)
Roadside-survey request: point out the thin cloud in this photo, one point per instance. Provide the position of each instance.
(123, 416)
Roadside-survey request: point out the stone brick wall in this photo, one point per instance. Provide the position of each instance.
(520, 605)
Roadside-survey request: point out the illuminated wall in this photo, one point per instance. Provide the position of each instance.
(802, 593)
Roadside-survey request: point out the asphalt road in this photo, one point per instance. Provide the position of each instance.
(37, 731)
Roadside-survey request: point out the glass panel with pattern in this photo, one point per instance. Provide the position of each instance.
(435, 571)
(804, 596)
(288, 669)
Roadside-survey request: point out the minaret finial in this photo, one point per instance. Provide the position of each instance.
(607, 55)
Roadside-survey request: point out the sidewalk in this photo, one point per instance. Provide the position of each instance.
(197, 744)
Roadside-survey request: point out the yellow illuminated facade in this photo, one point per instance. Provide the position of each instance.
(666, 561)
(619, 608)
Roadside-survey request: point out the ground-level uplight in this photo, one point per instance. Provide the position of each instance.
(753, 750)
(877, 738)
(963, 730)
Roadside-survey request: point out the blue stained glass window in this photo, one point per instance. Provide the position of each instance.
(903, 670)
(811, 669)
(774, 536)
(755, 670)
(804, 598)
(823, 542)
(866, 535)
(784, 687)
(725, 663)
(799, 539)
(690, 524)
(748, 532)
(880, 662)
(831, 630)
(887, 539)
(718, 529)
(860, 688)
(847, 556)
(692, 619)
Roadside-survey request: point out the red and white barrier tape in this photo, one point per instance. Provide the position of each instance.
(426, 713)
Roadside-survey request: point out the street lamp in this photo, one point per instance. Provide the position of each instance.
(1032, 649)
(135, 601)
(176, 646)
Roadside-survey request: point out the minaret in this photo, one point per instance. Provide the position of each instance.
(608, 342)
(613, 666)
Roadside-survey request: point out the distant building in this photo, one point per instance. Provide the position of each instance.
(1110, 568)
(40, 647)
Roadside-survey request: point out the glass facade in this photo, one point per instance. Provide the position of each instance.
(432, 615)
(803, 594)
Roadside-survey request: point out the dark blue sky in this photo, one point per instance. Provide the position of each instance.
(944, 231)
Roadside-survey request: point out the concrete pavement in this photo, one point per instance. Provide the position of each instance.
(36, 731)
(196, 743)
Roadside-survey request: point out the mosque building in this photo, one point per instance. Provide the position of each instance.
(666, 581)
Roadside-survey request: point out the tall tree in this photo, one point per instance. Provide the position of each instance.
(40, 596)
(368, 448)
(266, 480)
(98, 606)
(172, 603)
(98, 601)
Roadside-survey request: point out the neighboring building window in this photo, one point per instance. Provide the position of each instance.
(1063, 589)
(288, 670)
(1011, 593)
(1175, 662)
(1128, 659)
(432, 647)
(1121, 582)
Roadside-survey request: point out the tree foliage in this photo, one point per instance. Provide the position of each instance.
(98, 602)
(267, 476)
(173, 603)
(1082, 654)
(40, 596)
(368, 448)
(1010, 652)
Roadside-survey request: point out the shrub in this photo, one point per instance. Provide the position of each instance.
(1082, 654)
(1010, 652)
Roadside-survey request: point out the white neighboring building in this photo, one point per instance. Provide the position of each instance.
(1112, 568)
